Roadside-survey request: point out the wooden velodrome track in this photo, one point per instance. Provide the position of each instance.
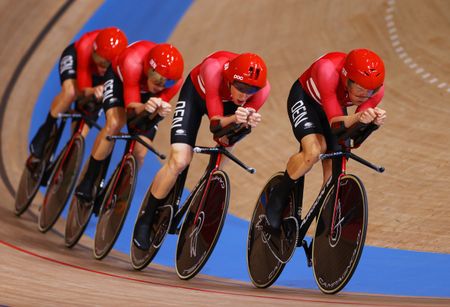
(408, 204)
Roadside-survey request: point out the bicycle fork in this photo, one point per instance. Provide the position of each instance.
(129, 151)
(216, 158)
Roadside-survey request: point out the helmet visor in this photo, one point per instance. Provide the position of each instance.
(245, 88)
(159, 80)
(360, 91)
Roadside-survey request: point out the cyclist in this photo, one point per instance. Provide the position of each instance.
(82, 68)
(146, 76)
(230, 88)
(318, 99)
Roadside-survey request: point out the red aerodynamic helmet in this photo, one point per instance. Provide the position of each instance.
(365, 68)
(247, 68)
(166, 60)
(110, 42)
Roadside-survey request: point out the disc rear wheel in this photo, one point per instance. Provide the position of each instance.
(202, 227)
(61, 183)
(115, 206)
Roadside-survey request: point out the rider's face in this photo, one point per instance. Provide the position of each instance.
(358, 94)
(156, 83)
(101, 63)
(239, 98)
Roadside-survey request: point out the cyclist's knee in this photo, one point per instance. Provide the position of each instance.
(179, 160)
(114, 125)
(68, 91)
(312, 152)
(140, 153)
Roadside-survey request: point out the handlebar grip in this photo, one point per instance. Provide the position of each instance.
(229, 129)
(358, 132)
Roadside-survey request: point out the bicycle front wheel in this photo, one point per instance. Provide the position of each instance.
(61, 183)
(115, 206)
(340, 235)
(202, 226)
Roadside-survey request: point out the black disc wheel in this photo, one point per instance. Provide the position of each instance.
(29, 184)
(33, 175)
(79, 215)
(115, 206)
(202, 225)
(340, 235)
(162, 222)
(263, 265)
(61, 183)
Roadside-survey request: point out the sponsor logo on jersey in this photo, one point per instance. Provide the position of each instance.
(180, 132)
(66, 64)
(308, 125)
(299, 114)
(178, 114)
(108, 89)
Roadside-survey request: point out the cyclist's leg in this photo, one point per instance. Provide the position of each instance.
(62, 101)
(140, 151)
(307, 126)
(115, 120)
(185, 125)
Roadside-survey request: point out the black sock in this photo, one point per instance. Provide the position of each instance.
(150, 208)
(285, 186)
(47, 126)
(50, 120)
(278, 200)
(94, 168)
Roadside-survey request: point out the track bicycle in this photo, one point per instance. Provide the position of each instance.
(204, 211)
(68, 165)
(37, 172)
(111, 201)
(341, 212)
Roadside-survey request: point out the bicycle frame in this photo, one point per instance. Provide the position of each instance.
(131, 144)
(339, 170)
(213, 165)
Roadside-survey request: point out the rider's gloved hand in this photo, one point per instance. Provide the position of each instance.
(152, 104)
(157, 104)
(164, 109)
(367, 116)
(380, 118)
(247, 116)
(98, 92)
(242, 115)
(254, 118)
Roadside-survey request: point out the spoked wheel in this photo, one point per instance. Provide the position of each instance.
(115, 206)
(202, 227)
(33, 175)
(336, 253)
(61, 183)
(263, 266)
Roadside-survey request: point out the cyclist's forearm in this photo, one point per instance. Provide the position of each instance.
(222, 121)
(135, 107)
(349, 120)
